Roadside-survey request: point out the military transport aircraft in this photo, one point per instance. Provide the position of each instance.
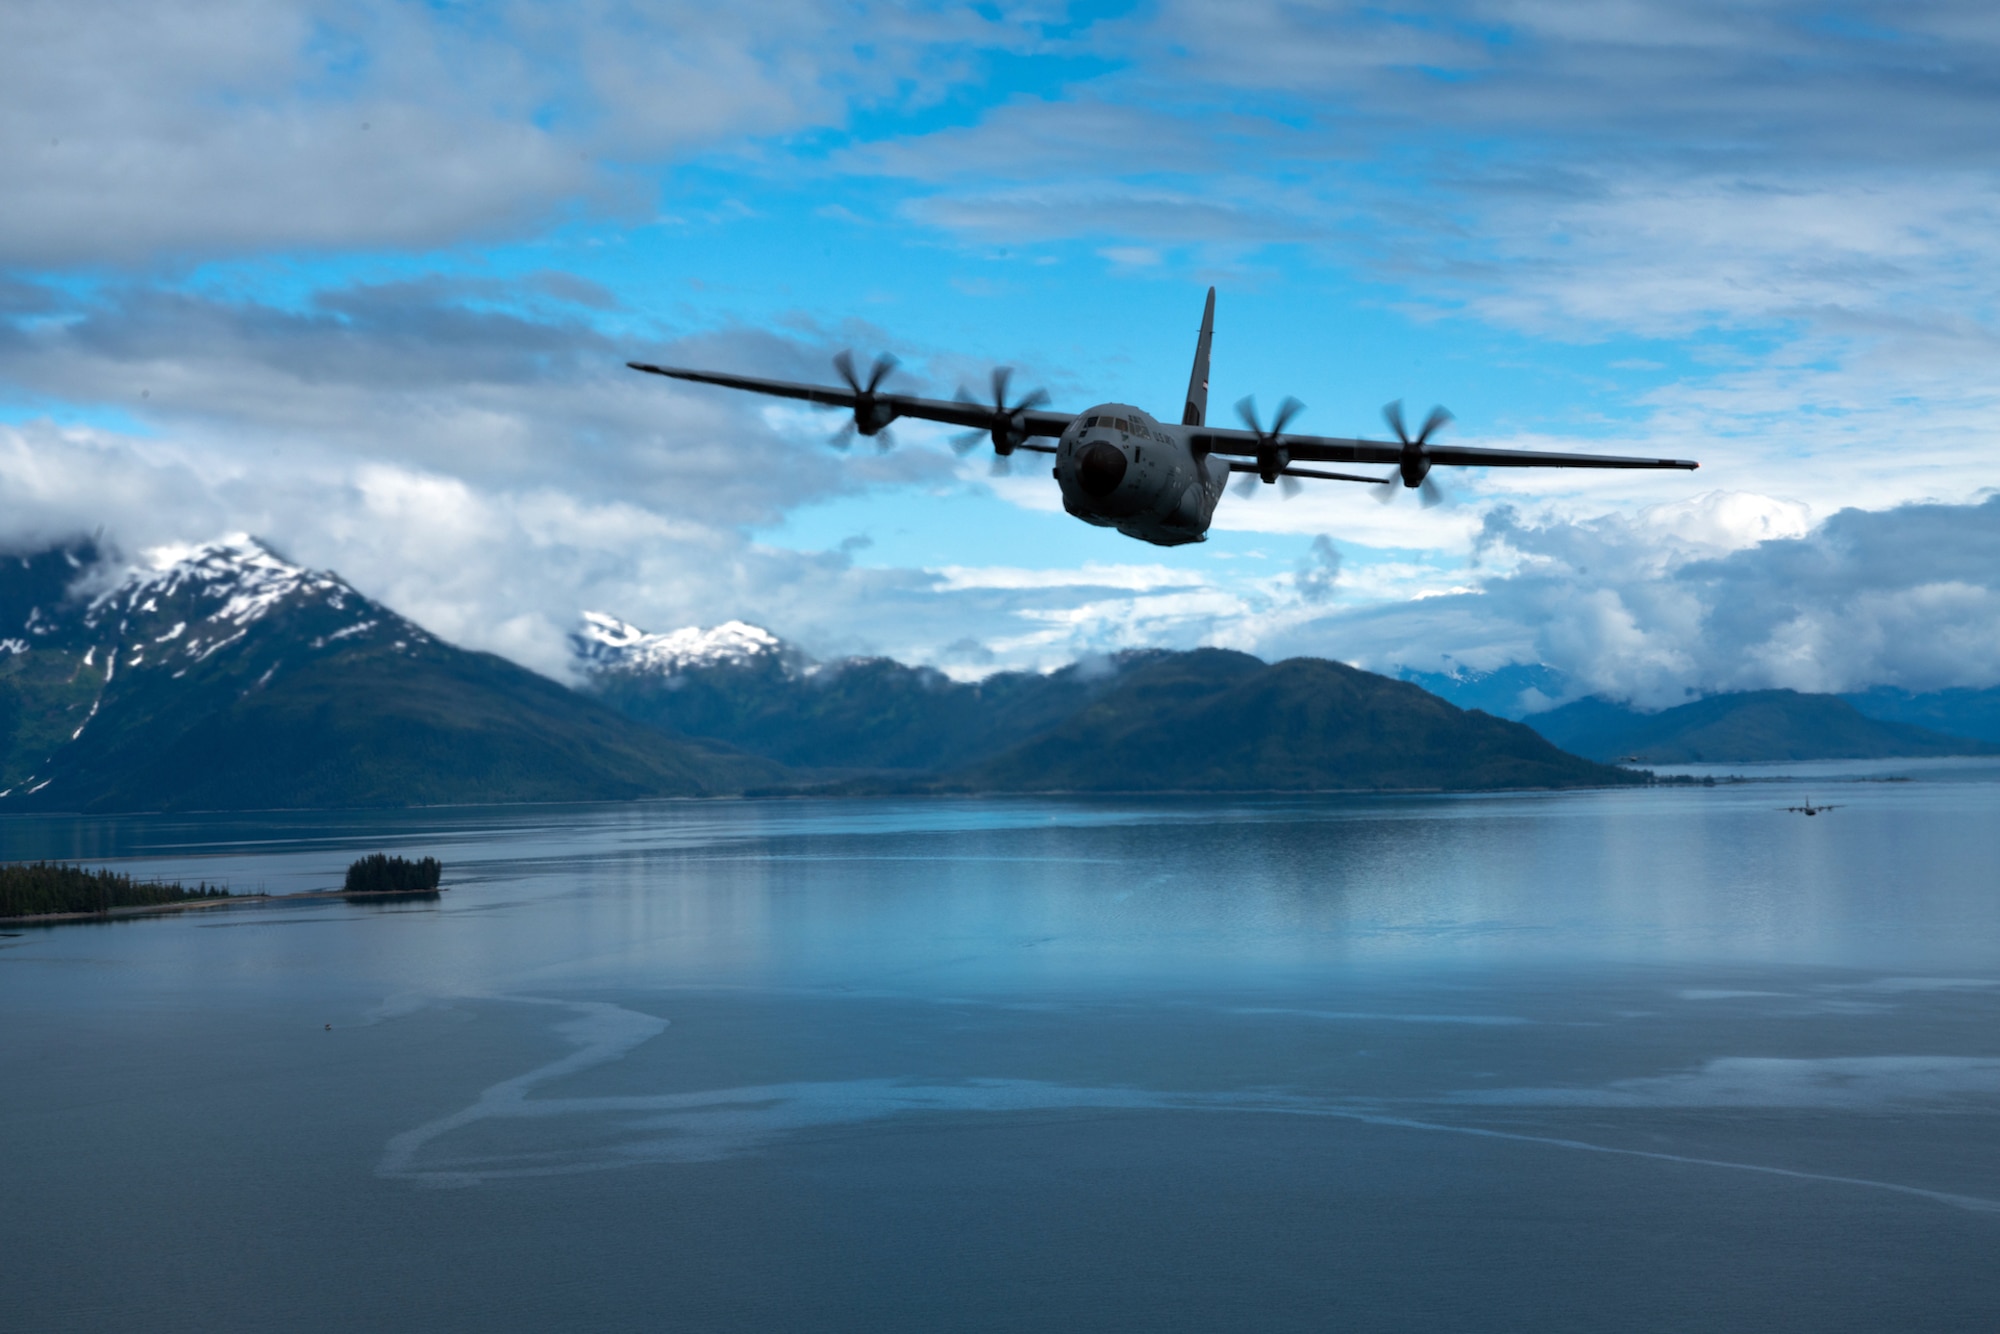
(1157, 481)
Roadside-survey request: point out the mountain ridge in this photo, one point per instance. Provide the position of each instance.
(1144, 720)
(1523, 691)
(1741, 727)
(222, 676)
(225, 677)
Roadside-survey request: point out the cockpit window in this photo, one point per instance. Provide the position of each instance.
(1122, 424)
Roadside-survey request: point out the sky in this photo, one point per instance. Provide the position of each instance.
(361, 277)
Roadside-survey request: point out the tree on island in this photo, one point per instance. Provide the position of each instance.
(380, 873)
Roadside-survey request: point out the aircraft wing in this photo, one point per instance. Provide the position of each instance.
(979, 416)
(1332, 449)
(1291, 471)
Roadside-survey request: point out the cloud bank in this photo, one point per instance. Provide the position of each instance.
(1728, 592)
(134, 132)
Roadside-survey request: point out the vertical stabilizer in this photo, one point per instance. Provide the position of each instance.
(1197, 395)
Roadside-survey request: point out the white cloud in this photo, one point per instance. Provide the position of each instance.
(133, 131)
(1645, 607)
(1135, 578)
(1720, 521)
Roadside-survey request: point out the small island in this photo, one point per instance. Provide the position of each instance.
(380, 873)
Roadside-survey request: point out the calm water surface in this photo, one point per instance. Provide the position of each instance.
(1669, 1059)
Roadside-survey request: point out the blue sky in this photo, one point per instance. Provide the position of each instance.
(360, 277)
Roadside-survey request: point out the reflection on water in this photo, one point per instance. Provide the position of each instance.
(1645, 1059)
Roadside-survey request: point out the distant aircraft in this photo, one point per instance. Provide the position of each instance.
(1120, 468)
(1810, 809)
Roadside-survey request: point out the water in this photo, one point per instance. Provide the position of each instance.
(1666, 1059)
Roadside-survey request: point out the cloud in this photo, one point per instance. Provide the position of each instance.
(1726, 593)
(135, 131)
(1318, 570)
(464, 378)
(1653, 169)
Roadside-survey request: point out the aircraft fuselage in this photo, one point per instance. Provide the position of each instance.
(1119, 468)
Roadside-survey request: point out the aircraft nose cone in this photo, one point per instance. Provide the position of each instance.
(1101, 468)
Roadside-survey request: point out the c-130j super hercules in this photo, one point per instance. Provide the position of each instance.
(1158, 482)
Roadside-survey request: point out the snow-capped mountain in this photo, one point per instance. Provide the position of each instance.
(742, 685)
(94, 644)
(606, 644)
(223, 676)
(179, 606)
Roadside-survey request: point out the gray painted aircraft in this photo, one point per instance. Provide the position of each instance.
(1157, 481)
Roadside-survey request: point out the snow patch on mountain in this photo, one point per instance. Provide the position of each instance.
(607, 644)
(245, 577)
(201, 598)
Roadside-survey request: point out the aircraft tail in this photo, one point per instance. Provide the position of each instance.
(1197, 394)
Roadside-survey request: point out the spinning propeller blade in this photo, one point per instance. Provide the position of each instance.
(1414, 470)
(1007, 431)
(869, 418)
(1272, 456)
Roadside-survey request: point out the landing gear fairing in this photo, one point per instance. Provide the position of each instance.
(1160, 482)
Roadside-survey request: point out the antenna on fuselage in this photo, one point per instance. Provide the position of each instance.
(1197, 395)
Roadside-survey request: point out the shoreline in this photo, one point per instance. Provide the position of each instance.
(233, 900)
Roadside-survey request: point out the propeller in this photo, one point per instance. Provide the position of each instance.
(1009, 428)
(871, 415)
(1272, 456)
(1414, 468)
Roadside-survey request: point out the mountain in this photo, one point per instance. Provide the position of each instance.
(1208, 720)
(1521, 689)
(225, 677)
(1966, 713)
(741, 685)
(1213, 720)
(1744, 727)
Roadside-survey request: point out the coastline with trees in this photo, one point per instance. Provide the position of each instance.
(35, 893)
